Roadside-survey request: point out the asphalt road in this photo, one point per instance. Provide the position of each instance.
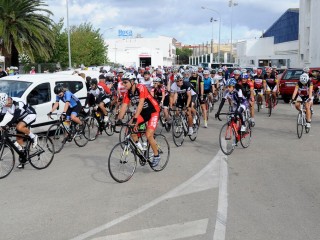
(268, 191)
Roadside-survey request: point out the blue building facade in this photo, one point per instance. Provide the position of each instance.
(286, 28)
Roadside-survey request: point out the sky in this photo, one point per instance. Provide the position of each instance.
(185, 20)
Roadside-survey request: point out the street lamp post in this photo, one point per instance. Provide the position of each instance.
(69, 45)
(232, 4)
(219, 29)
(212, 21)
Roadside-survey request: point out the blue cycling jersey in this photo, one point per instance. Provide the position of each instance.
(207, 82)
(68, 97)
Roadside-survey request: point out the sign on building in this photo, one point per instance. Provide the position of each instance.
(124, 33)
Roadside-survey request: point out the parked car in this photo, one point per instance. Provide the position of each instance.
(37, 90)
(289, 79)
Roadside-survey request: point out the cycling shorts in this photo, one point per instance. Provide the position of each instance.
(151, 120)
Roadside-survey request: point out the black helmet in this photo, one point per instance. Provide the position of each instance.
(58, 89)
(94, 81)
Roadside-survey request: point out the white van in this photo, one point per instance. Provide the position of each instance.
(37, 90)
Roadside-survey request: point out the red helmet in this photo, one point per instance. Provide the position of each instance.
(259, 71)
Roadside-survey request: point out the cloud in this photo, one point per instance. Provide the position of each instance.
(183, 20)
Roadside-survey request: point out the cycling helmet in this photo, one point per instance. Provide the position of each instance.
(306, 69)
(158, 80)
(236, 72)
(177, 77)
(268, 69)
(206, 72)
(304, 78)
(243, 70)
(231, 82)
(245, 76)
(146, 73)
(128, 76)
(274, 66)
(213, 71)
(3, 99)
(94, 81)
(220, 70)
(58, 89)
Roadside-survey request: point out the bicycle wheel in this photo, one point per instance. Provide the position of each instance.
(177, 131)
(42, 155)
(227, 139)
(122, 134)
(245, 139)
(94, 128)
(58, 135)
(299, 125)
(270, 105)
(108, 128)
(195, 126)
(164, 152)
(7, 160)
(122, 162)
(82, 139)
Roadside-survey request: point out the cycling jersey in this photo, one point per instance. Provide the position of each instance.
(69, 97)
(257, 81)
(304, 90)
(271, 80)
(105, 87)
(186, 87)
(246, 88)
(158, 92)
(121, 89)
(196, 81)
(19, 111)
(150, 104)
(207, 84)
(237, 98)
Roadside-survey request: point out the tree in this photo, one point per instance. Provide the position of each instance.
(25, 29)
(184, 54)
(87, 45)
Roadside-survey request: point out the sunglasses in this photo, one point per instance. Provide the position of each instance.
(125, 82)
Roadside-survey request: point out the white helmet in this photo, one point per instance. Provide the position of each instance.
(206, 72)
(3, 99)
(128, 76)
(306, 69)
(304, 78)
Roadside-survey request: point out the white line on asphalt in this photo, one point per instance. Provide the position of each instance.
(170, 232)
(173, 193)
(221, 219)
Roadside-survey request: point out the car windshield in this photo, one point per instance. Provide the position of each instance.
(292, 74)
(14, 88)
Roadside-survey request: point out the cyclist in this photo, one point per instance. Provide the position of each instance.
(72, 105)
(16, 111)
(183, 94)
(99, 96)
(270, 84)
(208, 90)
(258, 79)
(248, 92)
(238, 101)
(303, 93)
(147, 111)
(147, 80)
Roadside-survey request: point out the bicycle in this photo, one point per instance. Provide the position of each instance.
(122, 160)
(180, 126)
(302, 120)
(63, 132)
(272, 102)
(164, 123)
(230, 133)
(39, 157)
(258, 99)
(97, 125)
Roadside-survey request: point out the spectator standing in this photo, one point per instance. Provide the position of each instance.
(2, 73)
(33, 71)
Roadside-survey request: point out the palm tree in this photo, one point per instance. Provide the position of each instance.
(24, 29)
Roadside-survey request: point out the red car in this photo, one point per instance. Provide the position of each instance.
(289, 79)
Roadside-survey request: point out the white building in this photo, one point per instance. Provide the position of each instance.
(141, 52)
(309, 34)
(278, 46)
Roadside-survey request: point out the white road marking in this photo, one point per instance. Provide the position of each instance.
(221, 219)
(187, 187)
(170, 232)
